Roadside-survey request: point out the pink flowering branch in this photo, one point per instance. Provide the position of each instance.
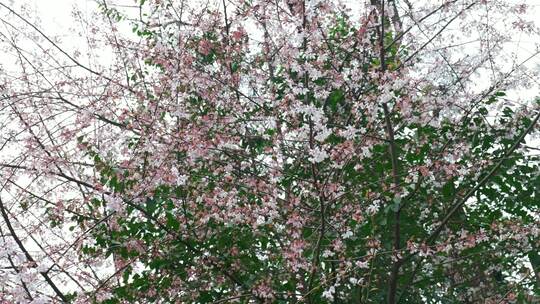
(13, 234)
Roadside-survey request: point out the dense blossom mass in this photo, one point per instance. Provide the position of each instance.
(257, 151)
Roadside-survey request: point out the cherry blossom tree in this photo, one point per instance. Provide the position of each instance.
(271, 152)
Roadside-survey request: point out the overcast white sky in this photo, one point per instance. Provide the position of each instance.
(56, 20)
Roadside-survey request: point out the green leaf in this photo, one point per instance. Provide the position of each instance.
(396, 203)
(335, 98)
(172, 221)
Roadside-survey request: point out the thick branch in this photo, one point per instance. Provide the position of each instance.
(457, 206)
(392, 288)
(482, 182)
(397, 228)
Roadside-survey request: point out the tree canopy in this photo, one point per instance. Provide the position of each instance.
(263, 151)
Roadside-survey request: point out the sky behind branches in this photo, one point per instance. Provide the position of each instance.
(56, 19)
